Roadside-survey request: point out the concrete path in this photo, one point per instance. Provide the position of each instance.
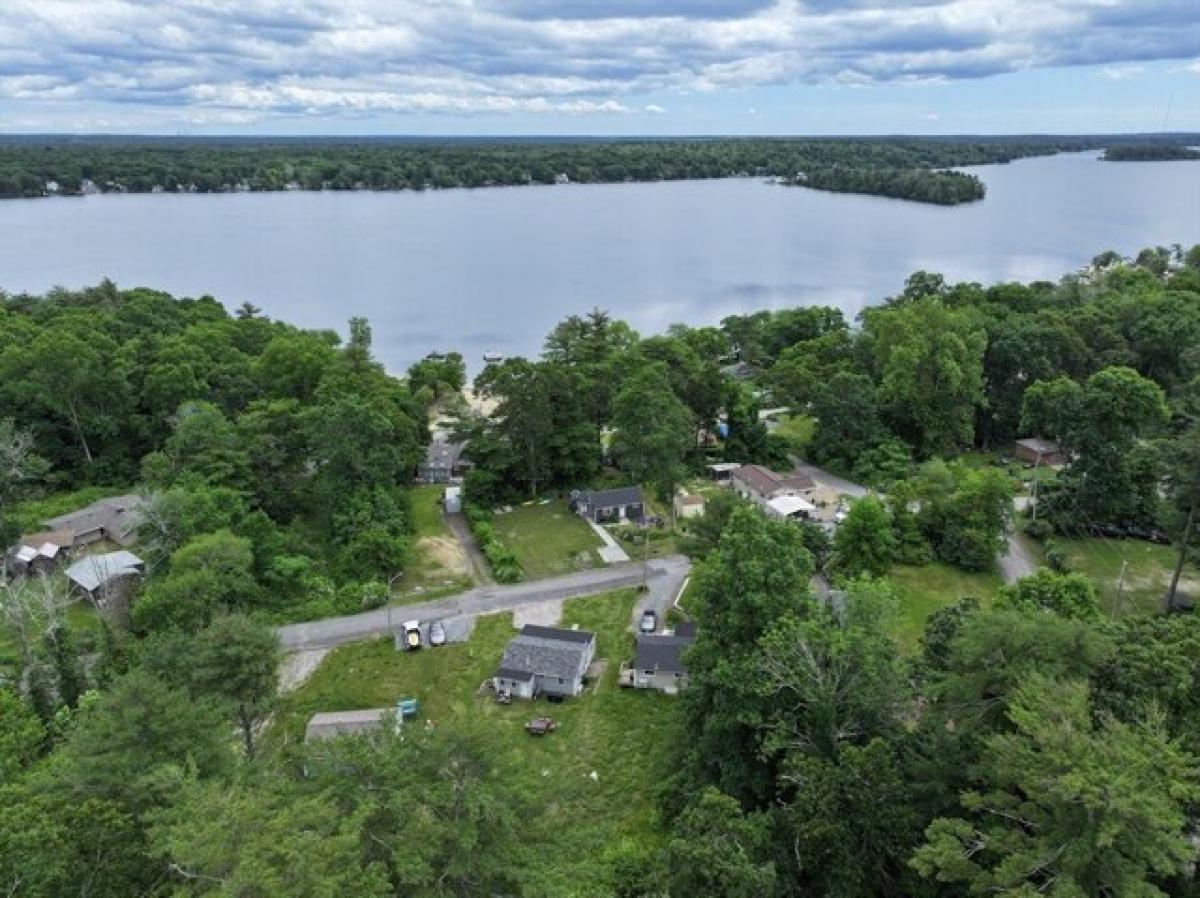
(664, 575)
(1017, 561)
(479, 568)
(611, 552)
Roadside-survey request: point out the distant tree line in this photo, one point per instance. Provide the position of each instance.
(908, 168)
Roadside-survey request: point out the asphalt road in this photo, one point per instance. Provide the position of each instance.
(820, 475)
(664, 577)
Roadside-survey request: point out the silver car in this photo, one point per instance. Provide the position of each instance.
(649, 622)
(437, 633)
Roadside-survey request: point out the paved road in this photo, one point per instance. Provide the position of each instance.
(821, 476)
(1017, 561)
(664, 577)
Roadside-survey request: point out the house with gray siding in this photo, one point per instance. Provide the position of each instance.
(545, 661)
(659, 661)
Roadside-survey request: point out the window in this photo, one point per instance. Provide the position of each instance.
(560, 681)
(649, 673)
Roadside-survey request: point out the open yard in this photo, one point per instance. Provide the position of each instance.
(548, 539)
(1146, 577)
(592, 783)
(797, 430)
(923, 590)
(438, 563)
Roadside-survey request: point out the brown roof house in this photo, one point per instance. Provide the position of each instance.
(760, 485)
(115, 519)
(1036, 451)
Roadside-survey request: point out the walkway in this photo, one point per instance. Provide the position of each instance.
(663, 577)
(611, 552)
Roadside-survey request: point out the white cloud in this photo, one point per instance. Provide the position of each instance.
(351, 58)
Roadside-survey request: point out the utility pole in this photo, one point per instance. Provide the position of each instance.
(1183, 547)
(1120, 586)
(1035, 486)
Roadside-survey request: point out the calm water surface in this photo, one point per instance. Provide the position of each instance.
(494, 269)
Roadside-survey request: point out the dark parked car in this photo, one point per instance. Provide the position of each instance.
(540, 726)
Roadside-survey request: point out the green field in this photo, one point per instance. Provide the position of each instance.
(797, 430)
(548, 539)
(622, 736)
(1146, 577)
(923, 590)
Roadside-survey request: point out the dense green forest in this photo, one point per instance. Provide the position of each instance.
(1150, 153)
(1031, 745)
(896, 167)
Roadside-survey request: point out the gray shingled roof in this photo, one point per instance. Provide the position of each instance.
(618, 498)
(117, 516)
(93, 571)
(547, 652)
(662, 653)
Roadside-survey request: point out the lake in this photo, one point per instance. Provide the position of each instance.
(494, 269)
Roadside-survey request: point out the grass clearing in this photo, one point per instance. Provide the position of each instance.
(797, 430)
(438, 561)
(1146, 578)
(623, 736)
(548, 539)
(30, 514)
(923, 590)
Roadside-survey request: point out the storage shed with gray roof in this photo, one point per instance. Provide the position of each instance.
(545, 661)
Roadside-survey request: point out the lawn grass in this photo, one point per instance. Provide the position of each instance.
(923, 590)
(1146, 578)
(622, 736)
(548, 539)
(797, 430)
(437, 564)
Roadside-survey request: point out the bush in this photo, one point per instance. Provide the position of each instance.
(1040, 530)
(502, 560)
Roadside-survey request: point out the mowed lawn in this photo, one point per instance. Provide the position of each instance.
(548, 539)
(589, 786)
(1146, 578)
(923, 590)
(797, 430)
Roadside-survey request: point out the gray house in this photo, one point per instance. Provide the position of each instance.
(443, 462)
(610, 506)
(545, 661)
(658, 662)
(115, 519)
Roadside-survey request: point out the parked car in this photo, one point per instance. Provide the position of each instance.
(437, 633)
(649, 621)
(540, 726)
(412, 635)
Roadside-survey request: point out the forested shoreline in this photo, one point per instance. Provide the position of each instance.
(1150, 153)
(904, 168)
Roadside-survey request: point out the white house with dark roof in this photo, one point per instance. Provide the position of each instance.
(545, 661)
(659, 661)
(760, 485)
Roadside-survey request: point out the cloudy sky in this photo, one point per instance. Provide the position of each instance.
(599, 66)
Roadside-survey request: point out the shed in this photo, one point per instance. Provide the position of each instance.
(722, 471)
(331, 724)
(1037, 451)
(452, 502)
(689, 505)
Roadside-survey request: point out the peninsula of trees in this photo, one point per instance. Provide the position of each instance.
(1150, 152)
(905, 168)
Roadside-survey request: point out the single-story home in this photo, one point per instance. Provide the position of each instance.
(760, 485)
(659, 660)
(102, 578)
(331, 724)
(610, 506)
(790, 508)
(545, 661)
(689, 505)
(443, 462)
(115, 519)
(1036, 451)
